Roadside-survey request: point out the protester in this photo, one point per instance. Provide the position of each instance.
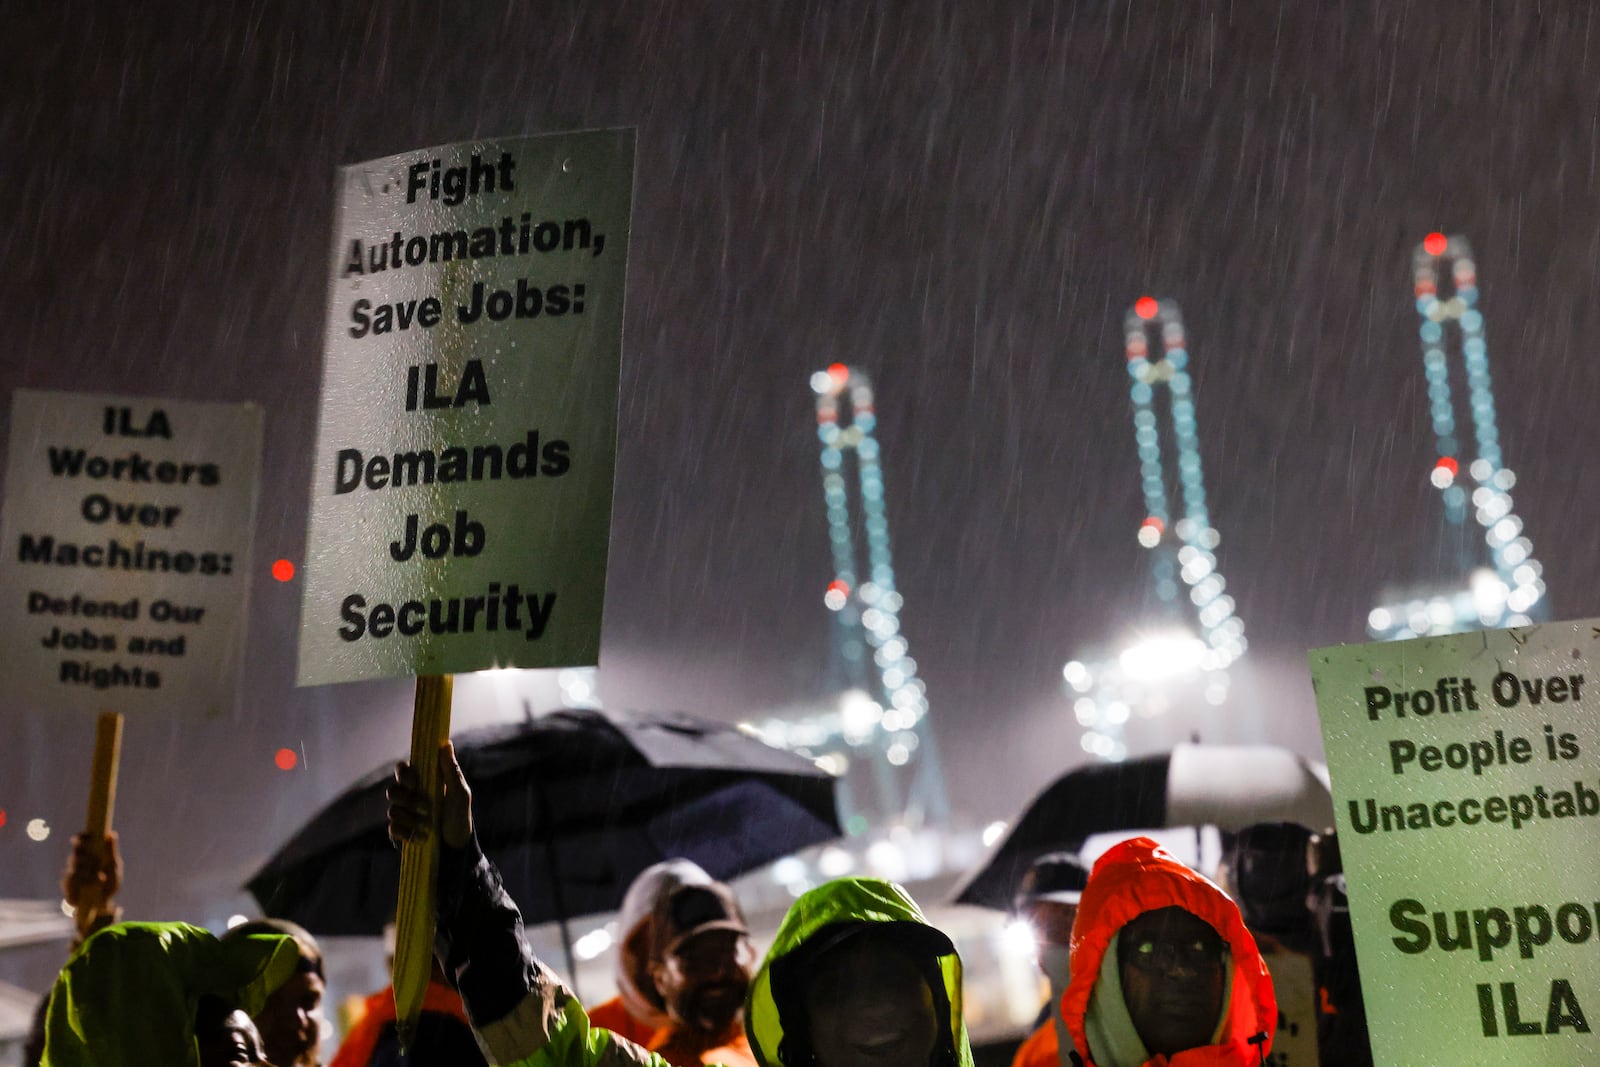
(90, 884)
(443, 1038)
(289, 1024)
(637, 1011)
(291, 1020)
(700, 961)
(224, 1035)
(856, 977)
(168, 994)
(1342, 1036)
(1268, 870)
(1047, 900)
(1164, 973)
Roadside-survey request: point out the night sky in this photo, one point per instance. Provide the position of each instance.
(963, 199)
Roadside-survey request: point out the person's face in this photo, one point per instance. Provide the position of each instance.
(1172, 974)
(291, 1021)
(703, 981)
(868, 1005)
(635, 957)
(1052, 921)
(236, 1043)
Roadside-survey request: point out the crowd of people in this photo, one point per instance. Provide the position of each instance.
(1149, 964)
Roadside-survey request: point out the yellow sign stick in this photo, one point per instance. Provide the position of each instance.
(419, 860)
(102, 802)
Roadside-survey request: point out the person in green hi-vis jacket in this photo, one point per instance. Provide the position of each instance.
(167, 994)
(855, 978)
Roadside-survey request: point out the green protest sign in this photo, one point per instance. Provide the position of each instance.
(461, 490)
(1466, 776)
(128, 524)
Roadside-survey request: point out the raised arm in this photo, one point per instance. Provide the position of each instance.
(520, 1011)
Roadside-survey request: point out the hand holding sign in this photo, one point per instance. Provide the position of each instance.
(94, 870)
(92, 879)
(411, 809)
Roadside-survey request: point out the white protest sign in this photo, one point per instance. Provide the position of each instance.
(127, 535)
(461, 493)
(1466, 777)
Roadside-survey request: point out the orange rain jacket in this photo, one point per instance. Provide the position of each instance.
(1137, 876)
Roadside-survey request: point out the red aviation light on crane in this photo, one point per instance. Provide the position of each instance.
(1435, 243)
(839, 373)
(1146, 307)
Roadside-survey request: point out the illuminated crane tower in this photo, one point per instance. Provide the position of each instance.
(883, 716)
(1510, 589)
(1182, 552)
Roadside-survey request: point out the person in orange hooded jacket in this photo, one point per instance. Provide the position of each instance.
(1164, 973)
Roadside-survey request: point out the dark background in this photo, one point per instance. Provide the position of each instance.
(963, 199)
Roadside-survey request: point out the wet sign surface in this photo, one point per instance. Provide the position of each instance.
(1466, 778)
(461, 494)
(127, 552)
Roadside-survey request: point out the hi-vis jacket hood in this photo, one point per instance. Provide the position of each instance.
(128, 997)
(825, 909)
(1137, 876)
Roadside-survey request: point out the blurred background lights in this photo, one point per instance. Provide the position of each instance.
(835, 862)
(38, 829)
(286, 759)
(1017, 936)
(592, 944)
(1163, 655)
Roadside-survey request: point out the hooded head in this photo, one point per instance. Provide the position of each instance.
(701, 958)
(634, 983)
(291, 1021)
(1269, 871)
(1047, 900)
(857, 978)
(132, 994)
(1187, 946)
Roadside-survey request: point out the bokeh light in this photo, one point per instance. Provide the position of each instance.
(286, 759)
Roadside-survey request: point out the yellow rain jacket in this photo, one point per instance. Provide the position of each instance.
(128, 997)
(823, 913)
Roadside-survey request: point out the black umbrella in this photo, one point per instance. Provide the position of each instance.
(571, 806)
(1193, 785)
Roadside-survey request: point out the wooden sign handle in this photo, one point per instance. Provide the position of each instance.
(102, 805)
(419, 860)
(103, 777)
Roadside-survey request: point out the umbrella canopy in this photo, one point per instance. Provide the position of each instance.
(1228, 786)
(571, 806)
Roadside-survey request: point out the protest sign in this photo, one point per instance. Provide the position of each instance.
(127, 528)
(461, 491)
(1466, 776)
